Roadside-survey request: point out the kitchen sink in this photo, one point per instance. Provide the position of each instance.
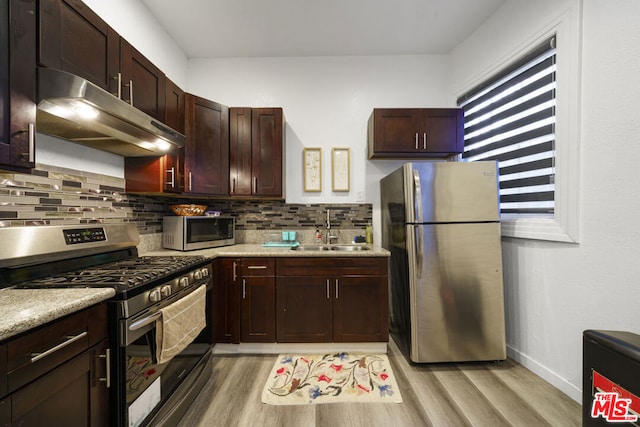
(310, 248)
(330, 248)
(349, 248)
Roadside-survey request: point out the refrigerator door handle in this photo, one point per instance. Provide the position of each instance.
(417, 194)
(418, 250)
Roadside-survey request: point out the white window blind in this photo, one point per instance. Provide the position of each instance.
(511, 118)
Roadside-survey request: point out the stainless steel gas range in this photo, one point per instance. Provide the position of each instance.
(154, 377)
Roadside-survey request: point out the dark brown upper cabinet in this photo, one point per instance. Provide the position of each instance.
(17, 84)
(144, 84)
(415, 133)
(206, 152)
(160, 174)
(256, 139)
(75, 39)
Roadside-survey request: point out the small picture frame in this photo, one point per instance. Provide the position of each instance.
(312, 161)
(340, 169)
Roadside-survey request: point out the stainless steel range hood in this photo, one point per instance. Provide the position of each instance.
(75, 109)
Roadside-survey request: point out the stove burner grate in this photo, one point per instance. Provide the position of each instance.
(125, 274)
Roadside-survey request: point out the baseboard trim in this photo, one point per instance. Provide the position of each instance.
(545, 373)
(278, 348)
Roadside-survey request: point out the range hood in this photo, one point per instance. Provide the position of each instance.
(75, 109)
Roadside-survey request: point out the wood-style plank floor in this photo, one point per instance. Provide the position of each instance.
(477, 394)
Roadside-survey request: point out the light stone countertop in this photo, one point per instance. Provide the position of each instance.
(24, 309)
(257, 250)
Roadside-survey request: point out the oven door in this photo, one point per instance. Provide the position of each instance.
(147, 386)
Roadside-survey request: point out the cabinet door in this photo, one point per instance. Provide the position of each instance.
(73, 38)
(17, 84)
(240, 151)
(360, 311)
(258, 309)
(143, 84)
(61, 395)
(99, 387)
(174, 106)
(442, 130)
(207, 147)
(395, 130)
(266, 151)
(226, 301)
(303, 309)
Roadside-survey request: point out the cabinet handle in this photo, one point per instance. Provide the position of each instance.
(172, 181)
(119, 90)
(190, 182)
(131, 92)
(255, 185)
(32, 141)
(244, 288)
(107, 357)
(233, 186)
(37, 356)
(235, 271)
(328, 296)
(336, 288)
(257, 267)
(416, 140)
(424, 139)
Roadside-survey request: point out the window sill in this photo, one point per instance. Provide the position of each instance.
(535, 228)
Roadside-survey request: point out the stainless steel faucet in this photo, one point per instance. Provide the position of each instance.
(330, 238)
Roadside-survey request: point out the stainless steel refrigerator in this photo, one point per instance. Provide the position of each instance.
(441, 223)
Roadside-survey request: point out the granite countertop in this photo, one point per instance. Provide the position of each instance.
(24, 309)
(257, 250)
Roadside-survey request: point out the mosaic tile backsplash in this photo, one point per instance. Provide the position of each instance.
(58, 196)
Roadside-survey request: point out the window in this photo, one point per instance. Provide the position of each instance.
(511, 118)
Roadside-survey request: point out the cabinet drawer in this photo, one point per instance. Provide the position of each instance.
(330, 266)
(36, 353)
(257, 267)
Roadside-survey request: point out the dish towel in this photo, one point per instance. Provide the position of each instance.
(180, 323)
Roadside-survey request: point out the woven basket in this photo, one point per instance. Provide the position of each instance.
(188, 210)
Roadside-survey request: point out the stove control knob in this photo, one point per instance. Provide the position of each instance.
(154, 295)
(183, 282)
(197, 274)
(165, 291)
(205, 272)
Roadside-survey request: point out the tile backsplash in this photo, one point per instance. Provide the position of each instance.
(59, 196)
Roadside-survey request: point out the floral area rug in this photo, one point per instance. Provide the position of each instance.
(331, 378)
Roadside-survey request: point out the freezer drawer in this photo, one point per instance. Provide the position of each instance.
(456, 292)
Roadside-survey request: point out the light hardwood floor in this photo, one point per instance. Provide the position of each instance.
(476, 394)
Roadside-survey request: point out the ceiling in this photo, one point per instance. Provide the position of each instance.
(270, 28)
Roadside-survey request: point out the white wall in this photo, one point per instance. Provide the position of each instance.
(555, 291)
(327, 102)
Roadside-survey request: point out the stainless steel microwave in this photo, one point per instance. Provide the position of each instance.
(186, 233)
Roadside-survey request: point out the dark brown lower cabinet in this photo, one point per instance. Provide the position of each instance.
(226, 301)
(257, 302)
(63, 384)
(332, 300)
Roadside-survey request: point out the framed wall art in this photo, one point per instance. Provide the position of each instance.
(312, 158)
(340, 169)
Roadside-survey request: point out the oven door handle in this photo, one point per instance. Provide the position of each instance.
(139, 324)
